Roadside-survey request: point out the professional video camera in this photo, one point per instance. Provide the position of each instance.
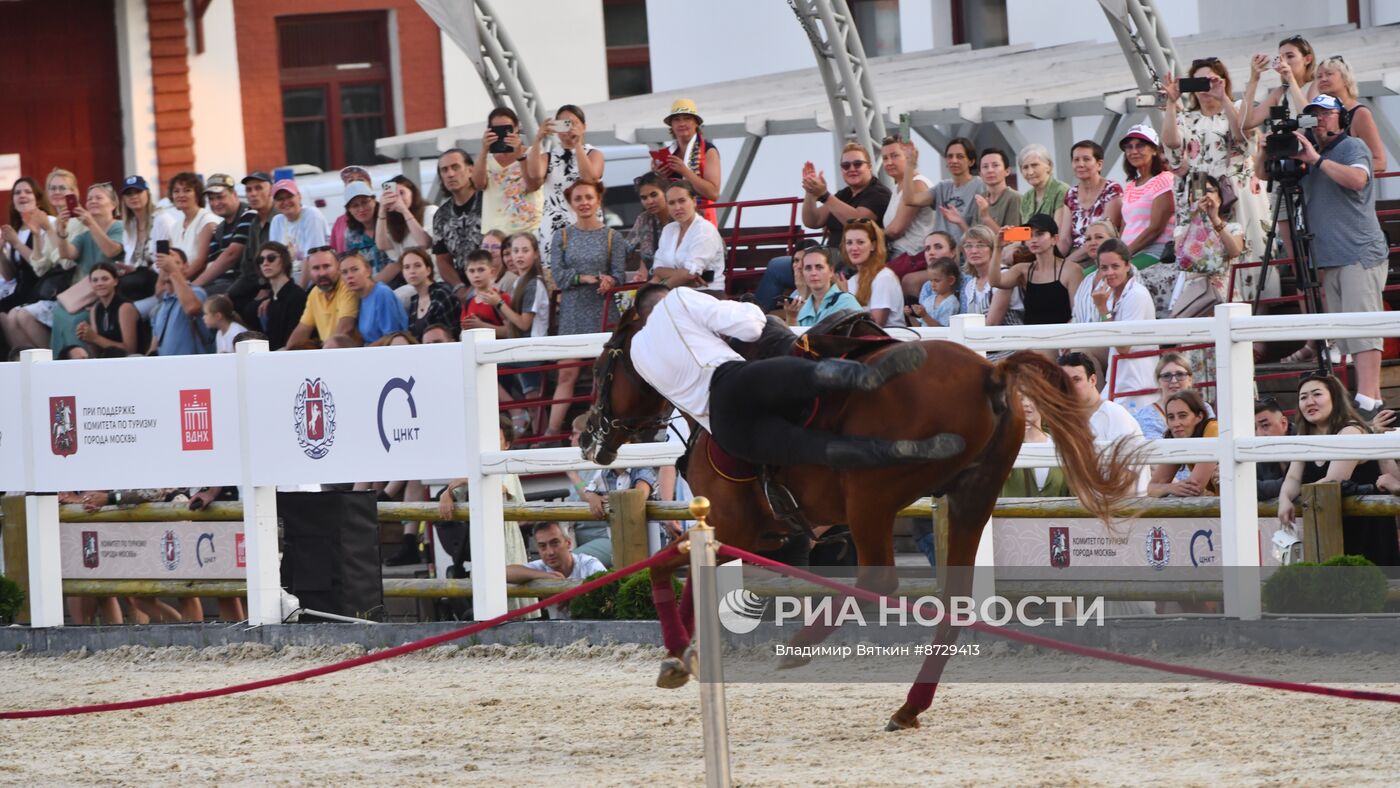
(1280, 144)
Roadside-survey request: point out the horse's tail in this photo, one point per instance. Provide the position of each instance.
(1100, 483)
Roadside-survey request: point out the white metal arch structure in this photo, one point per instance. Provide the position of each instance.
(494, 55)
(841, 62)
(1143, 37)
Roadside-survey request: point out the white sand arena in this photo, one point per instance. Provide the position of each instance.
(581, 715)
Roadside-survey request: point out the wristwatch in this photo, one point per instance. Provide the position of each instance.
(824, 197)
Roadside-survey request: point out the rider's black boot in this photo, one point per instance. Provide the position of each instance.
(878, 452)
(835, 374)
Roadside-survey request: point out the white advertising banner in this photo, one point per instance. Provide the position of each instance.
(11, 441)
(153, 551)
(109, 424)
(368, 414)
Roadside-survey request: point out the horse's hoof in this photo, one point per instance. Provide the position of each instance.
(901, 721)
(673, 674)
(691, 659)
(790, 661)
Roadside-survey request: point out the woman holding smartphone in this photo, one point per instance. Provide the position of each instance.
(99, 242)
(692, 159)
(558, 169)
(402, 216)
(1046, 282)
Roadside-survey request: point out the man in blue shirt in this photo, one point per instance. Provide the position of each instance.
(177, 326)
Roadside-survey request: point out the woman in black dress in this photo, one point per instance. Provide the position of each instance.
(111, 327)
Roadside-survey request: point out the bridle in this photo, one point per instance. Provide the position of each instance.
(601, 423)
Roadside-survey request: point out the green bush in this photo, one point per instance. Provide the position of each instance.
(11, 600)
(634, 597)
(1345, 584)
(597, 604)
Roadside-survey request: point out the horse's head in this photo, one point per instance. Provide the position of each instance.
(625, 407)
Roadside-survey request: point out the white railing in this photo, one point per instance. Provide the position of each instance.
(1232, 331)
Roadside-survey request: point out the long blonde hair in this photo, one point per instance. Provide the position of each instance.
(875, 264)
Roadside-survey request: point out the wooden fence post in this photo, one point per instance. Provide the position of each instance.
(1322, 521)
(17, 550)
(627, 519)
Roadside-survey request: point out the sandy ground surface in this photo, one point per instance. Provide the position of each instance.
(590, 715)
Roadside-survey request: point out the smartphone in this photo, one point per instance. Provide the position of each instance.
(1021, 233)
(162, 247)
(72, 200)
(563, 124)
(1194, 84)
(500, 145)
(904, 127)
(388, 186)
(1275, 62)
(661, 157)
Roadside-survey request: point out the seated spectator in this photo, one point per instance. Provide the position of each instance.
(511, 198)
(935, 245)
(1045, 284)
(1173, 375)
(497, 243)
(30, 251)
(380, 310)
(1093, 198)
(1208, 245)
(332, 309)
(1035, 482)
(280, 311)
(432, 302)
(232, 256)
(557, 561)
(1084, 309)
(690, 251)
(1120, 298)
(395, 339)
(298, 228)
(874, 286)
(99, 241)
(457, 224)
(190, 227)
(220, 317)
(483, 310)
(816, 295)
(646, 230)
(1044, 192)
(357, 225)
(349, 175)
(693, 159)
(998, 205)
(257, 188)
(112, 322)
(177, 328)
(1270, 422)
(438, 333)
(1109, 421)
(954, 200)
(74, 353)
(595, 538)
(402, 221)
(569, 161)
(1187, 417)
(138, 213)
(1149, 212)
(906, 226)
(938, 301)
(863, 197)
(1325, 409)
(977, 296)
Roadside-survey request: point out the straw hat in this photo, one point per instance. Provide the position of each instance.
(683, 107)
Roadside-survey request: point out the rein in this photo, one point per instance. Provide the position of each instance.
(629, 427)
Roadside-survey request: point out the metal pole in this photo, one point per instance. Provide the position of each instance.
(708, 646)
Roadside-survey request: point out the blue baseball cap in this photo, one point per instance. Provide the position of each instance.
(134, 182)
(1324, 101)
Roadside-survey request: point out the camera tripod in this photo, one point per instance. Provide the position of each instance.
(1291, 203)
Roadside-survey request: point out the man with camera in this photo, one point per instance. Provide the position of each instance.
(1348, 247)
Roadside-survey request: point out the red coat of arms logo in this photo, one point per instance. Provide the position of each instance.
(313, 416)
(1157, 547)
(1059, 546)
(63, 425)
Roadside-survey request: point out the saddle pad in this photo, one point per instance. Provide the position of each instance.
(728, 466)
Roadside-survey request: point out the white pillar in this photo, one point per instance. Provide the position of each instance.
(263, 559)
(487, 525)
(984, 573)
(714, 717)
(40, 511)
(1239, 496)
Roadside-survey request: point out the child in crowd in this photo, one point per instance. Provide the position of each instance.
(221, 318)
(483, 310)
(938, 298)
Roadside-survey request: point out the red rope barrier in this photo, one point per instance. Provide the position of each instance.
(1085, 651)
(407, 648)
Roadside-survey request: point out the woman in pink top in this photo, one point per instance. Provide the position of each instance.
(1149, 208)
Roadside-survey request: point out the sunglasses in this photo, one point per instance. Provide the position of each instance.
(853, 165)
(319, 249)
(270, 258)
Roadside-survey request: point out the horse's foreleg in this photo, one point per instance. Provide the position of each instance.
(688, 610)
(675, 635)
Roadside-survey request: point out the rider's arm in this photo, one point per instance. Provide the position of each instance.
(735, 319)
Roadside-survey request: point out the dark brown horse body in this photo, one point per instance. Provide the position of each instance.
(954, 391)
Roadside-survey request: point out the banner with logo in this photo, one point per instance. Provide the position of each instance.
(1027, 544)
(368, 414)
(135, 422)
(153, 551)
(11, 441)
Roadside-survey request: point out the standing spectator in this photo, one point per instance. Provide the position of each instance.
(99, 241)
(587, 262)
(875, 287)
(403, 217)
(380, 310)
(527, 311)
(1208, 244)
(361, 213)
(1349, 249)
(511, 199)
(1109, 421)
(1035, 482)
(646, 230)
(281, 310)
(816, 295)
(432, 302)
(177, 328)
(257, 189)
(557, 561)
(953, 200)
(230, 256)
(938, 301)
(483, 309)
(1048, 300)
(863, 197)
(189, 227)
(1334, 78)
(977, 296)
(332, 309)
(572, 159)
(348, 175)
(138, 212)
(1148, 212)
(1120, 298)
(998, 205)
(220, 317)
(1323, 409)
(457, 224)
(693, 159)
(112, 320)
(690, 251)
(1187, 417)
(1173, 374)
(1093, 198)
(1044, 192)
(906, 226)
(1296, 66)
(296, 227)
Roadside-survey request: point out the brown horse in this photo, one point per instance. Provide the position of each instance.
(953, 391)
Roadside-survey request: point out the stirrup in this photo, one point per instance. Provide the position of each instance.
(784, 505)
